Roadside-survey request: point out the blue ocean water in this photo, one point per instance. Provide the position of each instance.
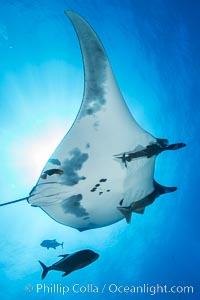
(153, 47)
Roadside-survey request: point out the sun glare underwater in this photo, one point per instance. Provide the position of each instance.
(101, 176)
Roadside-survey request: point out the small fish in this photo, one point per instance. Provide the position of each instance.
(51, 172)
(55, 161)
(51, 244)
(71, 262)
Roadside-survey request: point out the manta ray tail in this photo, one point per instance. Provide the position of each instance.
(11, 202)
(45, 269)
(161, 189)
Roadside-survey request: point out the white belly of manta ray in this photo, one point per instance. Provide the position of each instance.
(103, 170)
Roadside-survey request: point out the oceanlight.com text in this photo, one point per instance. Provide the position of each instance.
(150, 289)
(108, 288)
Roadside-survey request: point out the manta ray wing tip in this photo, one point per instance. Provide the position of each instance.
(70, 13)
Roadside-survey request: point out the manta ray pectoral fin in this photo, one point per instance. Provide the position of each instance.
(127, 213)
(161, 189)
(139, 210)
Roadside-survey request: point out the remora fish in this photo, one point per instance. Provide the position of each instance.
(139, 206)
(51, 172)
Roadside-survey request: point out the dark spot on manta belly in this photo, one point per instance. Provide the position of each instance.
(121, 202)
(95, 78)
(90, 111)
(97, 185)
(73, 206)
(100, 193)
(108, 191)
(72, 166)
(103, 180)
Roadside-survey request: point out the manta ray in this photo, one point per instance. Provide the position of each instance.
(103, 169)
